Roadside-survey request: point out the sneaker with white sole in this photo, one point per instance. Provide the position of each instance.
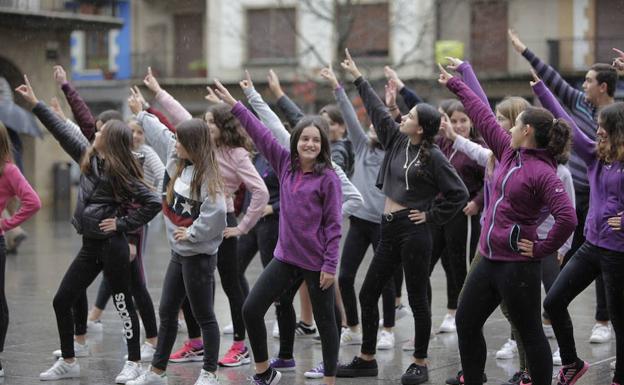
(408, 346)
(148, 377)
(80, 350)
(272, 378)
(549, 332)
(207, 378)
(349, 337)
(557, 358)
(448, 324)
(95, 326)
(147, 352)
(61, 369)
(276, 333)
(130, 371)
(400, 311)
(304, 330)
(318, 372)
(600, 334)
(228, 329)
(385, 340)
(507, 351)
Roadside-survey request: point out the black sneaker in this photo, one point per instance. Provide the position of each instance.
(358, 368)
(414, 375)
(304, 330)
(515, 379)
(271, 378)
(459, 379)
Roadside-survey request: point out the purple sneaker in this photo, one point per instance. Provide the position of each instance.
(317, 372)
(282, 364)
(569, 374)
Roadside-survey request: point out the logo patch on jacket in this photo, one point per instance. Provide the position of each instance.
(183, 210)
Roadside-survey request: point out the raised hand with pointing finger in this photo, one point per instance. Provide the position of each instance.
(349, 65)
(518, 45)
(223, 93)
(444, 75)
(26, 92)
(246, 83)
(151, 82)
(329, 75)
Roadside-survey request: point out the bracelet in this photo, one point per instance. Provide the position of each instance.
(393, 108)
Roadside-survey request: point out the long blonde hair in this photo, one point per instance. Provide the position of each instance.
(195, 137)
(510, 108)
(6, 153)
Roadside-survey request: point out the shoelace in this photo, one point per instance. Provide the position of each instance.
(59, 367)
(413, 369)
(566, 374)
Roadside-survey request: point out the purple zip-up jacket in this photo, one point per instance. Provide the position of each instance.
(310, 216)
(524, 182)
(606, 181)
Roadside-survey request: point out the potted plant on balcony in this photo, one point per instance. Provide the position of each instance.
(199, 66)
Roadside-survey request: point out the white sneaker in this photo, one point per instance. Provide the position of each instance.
(275, 330)
(507, 351)
(548, 331)
(130, 371)
(385, 340)
(402, 311)
(612, 365)
(207, 378)
(147, 352)
(182, 327)
(149, 378)
(348, 337)
(557, 358)
(80, 350)
(95, 326)
(1, 372)
(600, 334)
(408, 346)
(60, 370)
(228, 329)
(448, 324)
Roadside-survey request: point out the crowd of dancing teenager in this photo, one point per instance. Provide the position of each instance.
(507, 199)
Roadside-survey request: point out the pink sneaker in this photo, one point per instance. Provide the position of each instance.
(188, 353)
(569, 374)
(237, 355)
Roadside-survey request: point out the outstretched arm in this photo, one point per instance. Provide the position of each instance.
(82, 113)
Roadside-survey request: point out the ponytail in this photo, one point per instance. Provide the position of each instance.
(552, 134)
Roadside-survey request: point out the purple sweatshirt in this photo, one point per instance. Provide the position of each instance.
(524, 182)
(310, 215)
(606, 181)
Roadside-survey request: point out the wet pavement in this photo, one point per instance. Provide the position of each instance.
(32, 278)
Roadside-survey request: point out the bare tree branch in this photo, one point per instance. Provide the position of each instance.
(309, 46)
(327, 16)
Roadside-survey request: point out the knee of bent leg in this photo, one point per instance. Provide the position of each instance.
(345, 281)
(248, 311)
(60, 302)
(552, 305)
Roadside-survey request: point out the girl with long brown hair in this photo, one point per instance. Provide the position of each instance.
(111, 178)
(195, 218)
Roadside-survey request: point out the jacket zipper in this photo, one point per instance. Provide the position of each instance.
(500, 199)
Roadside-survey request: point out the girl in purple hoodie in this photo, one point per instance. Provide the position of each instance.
(603, 250)
(524, 182)
(309, 236)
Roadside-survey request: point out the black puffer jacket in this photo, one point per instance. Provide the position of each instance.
(96, 200)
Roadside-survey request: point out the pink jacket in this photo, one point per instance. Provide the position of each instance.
(13, 184)
(235, 165)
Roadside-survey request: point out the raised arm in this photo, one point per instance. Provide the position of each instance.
(29, 200)
(354, 129)
(468, 76)
(265, 113)
(157, 135)
(583, 146)
(480, 113)
(474, 151)
(570, 96)
(289, 108)
(409, 96)
(171, 106)
(80, 110)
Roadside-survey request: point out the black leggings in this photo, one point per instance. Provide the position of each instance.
(189, 277)
(138, 288)
(111, 256)
(263, 238)
(582, 206)
(402, 243)
(362, 233)
(279, 283)
(449, 245)
(519, 285)
(227, 264)
(588, 262)
(4, 308)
